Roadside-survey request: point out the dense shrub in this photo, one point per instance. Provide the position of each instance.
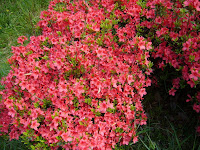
(79, 85)
(173, 28)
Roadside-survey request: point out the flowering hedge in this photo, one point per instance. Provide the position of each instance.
(173, 28)
(79, 85)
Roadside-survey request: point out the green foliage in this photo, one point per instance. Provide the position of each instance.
(34, 144)
(6, 144)
(60, 7)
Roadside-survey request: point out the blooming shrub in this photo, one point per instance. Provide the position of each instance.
(79, 85)
(173, 28)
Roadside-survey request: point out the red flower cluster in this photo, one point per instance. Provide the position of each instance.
(81, 82)
(174, 32)
(79, 85)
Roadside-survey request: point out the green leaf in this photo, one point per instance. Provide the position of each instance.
(45, 57)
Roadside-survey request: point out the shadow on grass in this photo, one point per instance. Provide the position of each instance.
(6, 144)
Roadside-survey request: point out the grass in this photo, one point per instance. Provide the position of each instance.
(171, 122)
(6, 144)
(17, 18)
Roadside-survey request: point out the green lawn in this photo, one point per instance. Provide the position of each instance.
(17, 17)
(171, 123)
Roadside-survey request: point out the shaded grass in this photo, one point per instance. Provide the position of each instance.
(6, 144)
(171, 123)
(172, 120)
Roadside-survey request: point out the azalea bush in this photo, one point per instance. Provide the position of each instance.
(80, 84)
(173, 28)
